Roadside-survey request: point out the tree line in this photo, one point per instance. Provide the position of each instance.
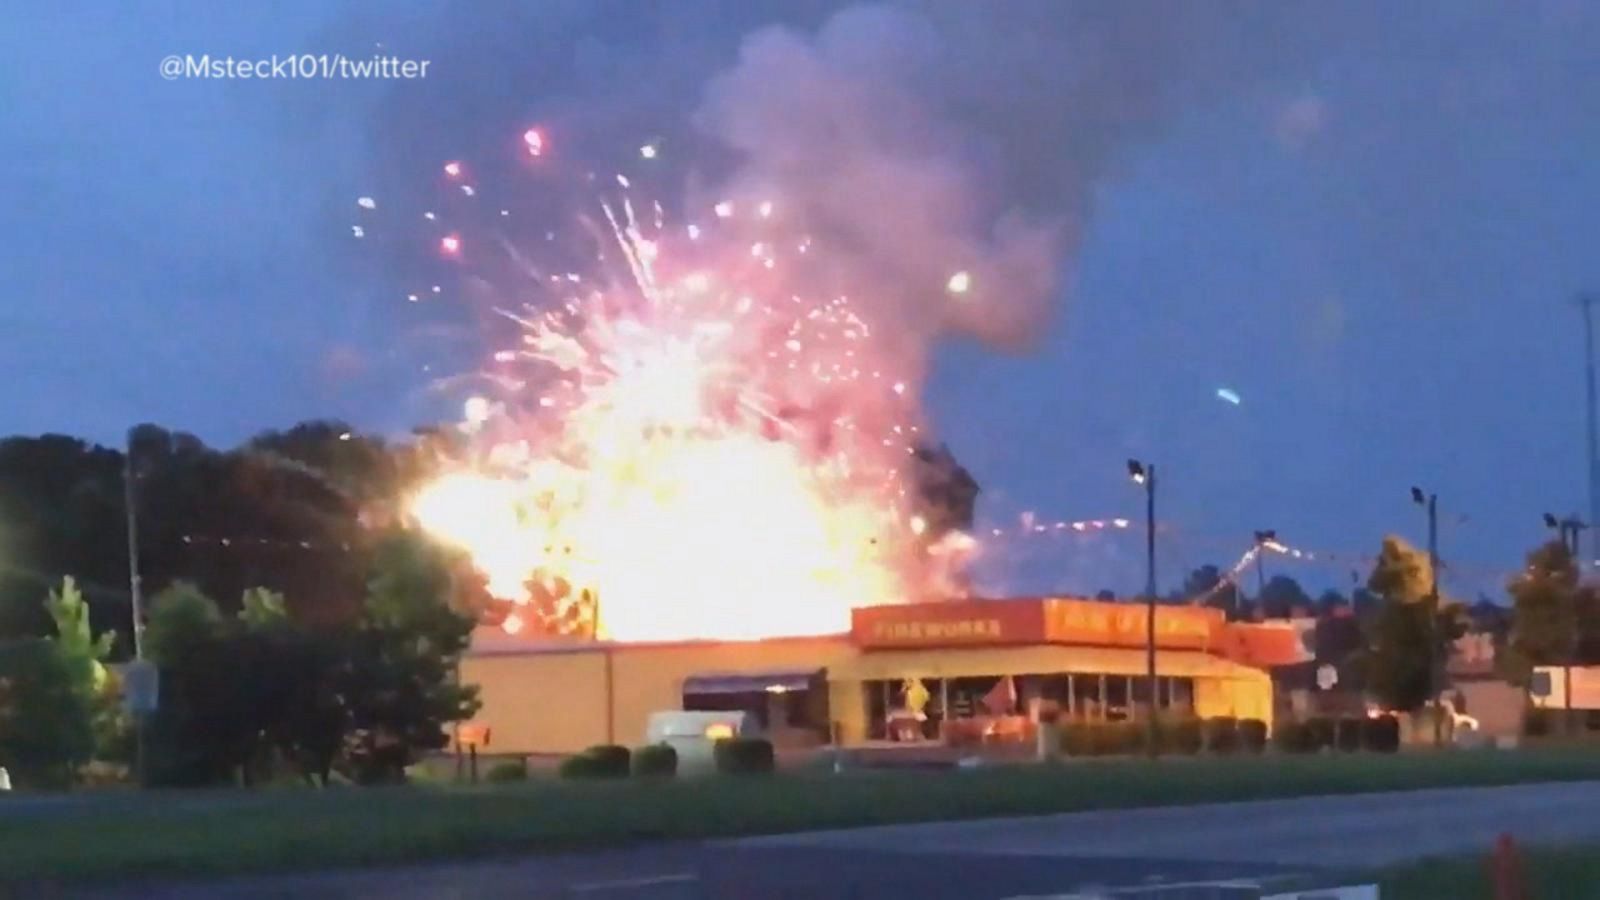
(298, 627)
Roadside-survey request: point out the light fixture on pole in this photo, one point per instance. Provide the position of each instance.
(1144, 475)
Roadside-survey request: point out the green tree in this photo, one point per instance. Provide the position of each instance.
(261, 608)
(182, 617)
(46, 717)
(74, 638)
(1407, 641)
(1207, 584)
(1282, 596)
(1555, 617)
(400, 685)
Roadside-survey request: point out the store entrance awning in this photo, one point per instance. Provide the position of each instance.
(777, 681)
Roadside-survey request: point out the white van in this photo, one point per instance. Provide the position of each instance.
(694, 734)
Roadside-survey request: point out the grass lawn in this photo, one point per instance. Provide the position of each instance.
(115, 834)
(1553, 873)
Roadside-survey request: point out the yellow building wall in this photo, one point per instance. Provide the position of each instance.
(539, 701)
(1240, 698)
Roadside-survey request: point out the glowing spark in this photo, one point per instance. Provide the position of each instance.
(1229, 395)
(366, 203)
(959, 283)
(450, 245)
(692, 435)
(452, 169)
(468, 190)
(358, 231)
(534, 141)
(429, 216)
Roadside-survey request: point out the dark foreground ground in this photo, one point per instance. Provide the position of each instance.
(1265, 841)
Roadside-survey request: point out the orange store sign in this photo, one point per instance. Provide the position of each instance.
(1032, 621)
(1090, 622)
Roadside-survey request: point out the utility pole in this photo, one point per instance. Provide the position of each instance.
(130, 499)
(1435, 664)
(1263, 538)
(130, 502)
(1587, 302)
(1145, 476)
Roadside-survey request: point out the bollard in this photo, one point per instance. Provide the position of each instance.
(1506, 866)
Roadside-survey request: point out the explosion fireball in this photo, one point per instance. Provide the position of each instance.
(699, 439)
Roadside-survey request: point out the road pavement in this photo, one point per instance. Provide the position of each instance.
(992, 859)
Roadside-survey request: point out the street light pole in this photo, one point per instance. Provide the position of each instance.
(135, 593)
(1435, 668)
(1145, 476)
(1569, 529)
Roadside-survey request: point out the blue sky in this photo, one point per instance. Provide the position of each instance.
(1376, 248)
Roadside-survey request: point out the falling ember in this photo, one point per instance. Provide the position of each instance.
(704, 455)
(959, 283)
(648, 151)
(450, 245)
(452, 169)
(366, 203)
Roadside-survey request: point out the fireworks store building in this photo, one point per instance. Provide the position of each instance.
(939, 673)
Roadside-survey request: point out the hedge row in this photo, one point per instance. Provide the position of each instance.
(1220, 735)
(1380, 734)
(734, 756)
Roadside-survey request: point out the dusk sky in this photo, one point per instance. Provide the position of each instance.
(1369, 220)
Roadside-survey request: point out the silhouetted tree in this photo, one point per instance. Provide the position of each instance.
(1405, 642)
(1282, 597)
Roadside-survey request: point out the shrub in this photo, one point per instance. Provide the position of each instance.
(1348, 735)
(599, 761)
(1381, 734)
(655, 761)
(577, 765)
(1319, 734)
(1290, 737)
(1077, 739)
(1221, 734)
(1121, 738)
(611, 760)
(744, 756)
(1253, 735)
(1181, 736)
(1536, 722)
(507, 772)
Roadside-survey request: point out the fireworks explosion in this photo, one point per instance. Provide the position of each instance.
(695, 437)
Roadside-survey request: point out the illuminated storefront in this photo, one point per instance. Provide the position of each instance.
(973, 667)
